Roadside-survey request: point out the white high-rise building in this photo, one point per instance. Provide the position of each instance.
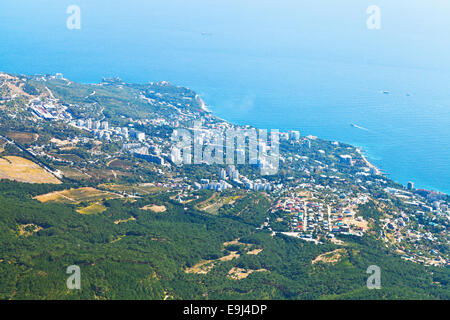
(223, 174)
(175, 156)
(294, 135)
(105, 125)
(284, 135)
(230, 170)
(140, 136)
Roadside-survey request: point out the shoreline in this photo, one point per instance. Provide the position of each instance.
(368, 163)
(360, 151)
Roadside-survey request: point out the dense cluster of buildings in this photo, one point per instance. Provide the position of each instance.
(49, 109)
(235, 179)
(312, 219)
(102, 130)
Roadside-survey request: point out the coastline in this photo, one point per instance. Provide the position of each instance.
(203, 105)
(366, 160)
(204, 108)
(368, 163)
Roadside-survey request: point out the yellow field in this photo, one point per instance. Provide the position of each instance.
(76, 195)
(92, 209)
(23, 170)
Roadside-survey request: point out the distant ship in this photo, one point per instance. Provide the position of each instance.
(386, 92)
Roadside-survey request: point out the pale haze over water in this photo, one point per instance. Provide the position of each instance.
(307, 65)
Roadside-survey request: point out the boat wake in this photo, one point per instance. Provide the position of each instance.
(359, 127)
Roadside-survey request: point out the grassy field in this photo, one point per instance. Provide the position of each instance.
(76, 195)
(92, 209)
(213, 204)
(73, 173)
(23, 170)
(120, 164)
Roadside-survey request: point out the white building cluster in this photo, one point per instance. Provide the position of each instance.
(233, 175)
(50, 109)
(213, 185)
(102, 130)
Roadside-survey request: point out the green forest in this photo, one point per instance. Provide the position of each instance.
(147, 256)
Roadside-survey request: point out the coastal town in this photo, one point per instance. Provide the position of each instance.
(315, 196)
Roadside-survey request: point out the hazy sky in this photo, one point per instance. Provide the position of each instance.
(414, 32)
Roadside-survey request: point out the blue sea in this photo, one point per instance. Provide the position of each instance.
(313, 66)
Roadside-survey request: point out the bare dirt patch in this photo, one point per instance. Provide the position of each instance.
(255, 251)
(239, 243)
(27, 230)
(362, 224)
(17, 89)
(230, 243)
(231, 256)
(202, 267)
(125, 220)
(206, 266)
(155, 208)
(332, 257)
(240, 273)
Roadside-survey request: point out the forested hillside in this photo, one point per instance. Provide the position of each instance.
(127, 252)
